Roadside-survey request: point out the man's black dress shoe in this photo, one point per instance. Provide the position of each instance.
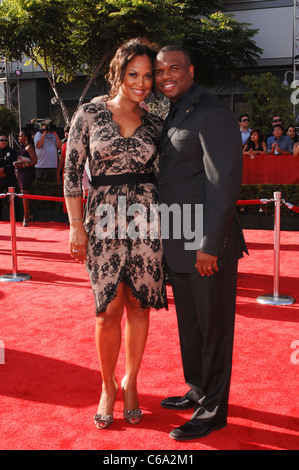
(193, 429)
(178, 403)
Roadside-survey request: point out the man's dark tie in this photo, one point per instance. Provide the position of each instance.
(168, 121)
(170, 116)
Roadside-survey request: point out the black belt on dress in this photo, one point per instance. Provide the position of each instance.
(125, 178)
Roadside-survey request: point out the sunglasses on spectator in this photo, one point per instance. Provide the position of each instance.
(3, 140)
(276, 120)
(245, 120)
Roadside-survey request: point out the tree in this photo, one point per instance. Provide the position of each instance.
(8, 121)
(266, 97)
(67, 37)
(34, 29)
(219, 45)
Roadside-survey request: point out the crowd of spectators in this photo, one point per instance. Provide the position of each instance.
(41, 158)
(278, 142)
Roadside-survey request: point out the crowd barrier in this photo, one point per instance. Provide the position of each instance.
(274, 298)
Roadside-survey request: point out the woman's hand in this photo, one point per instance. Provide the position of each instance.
(78, 241)
(20, 164)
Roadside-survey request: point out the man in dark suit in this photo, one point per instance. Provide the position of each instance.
(200, 164)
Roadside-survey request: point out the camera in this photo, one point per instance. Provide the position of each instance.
(33, 126)
(48, 126)
(40, 125)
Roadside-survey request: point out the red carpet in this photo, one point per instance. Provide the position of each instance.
(50, 383)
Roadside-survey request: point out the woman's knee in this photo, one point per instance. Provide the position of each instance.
(134, 307)
(114, 311)
(109, 319)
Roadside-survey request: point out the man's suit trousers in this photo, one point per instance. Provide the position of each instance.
(206, 316)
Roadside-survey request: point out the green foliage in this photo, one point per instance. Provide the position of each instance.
(65, 37)
(46, 189)
(8, 121)
(218, 45)
(267, 96)
(158, 105)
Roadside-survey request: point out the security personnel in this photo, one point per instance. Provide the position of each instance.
(8, 156)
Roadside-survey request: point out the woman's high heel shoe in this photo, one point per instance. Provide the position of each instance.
(133, 417)
(103, 421)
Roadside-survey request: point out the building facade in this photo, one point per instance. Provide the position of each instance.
(277, 23)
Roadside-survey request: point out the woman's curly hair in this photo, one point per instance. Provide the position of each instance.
(124, 54)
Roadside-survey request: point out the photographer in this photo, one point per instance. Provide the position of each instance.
(46, 143)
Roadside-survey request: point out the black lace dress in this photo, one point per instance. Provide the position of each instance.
(114, 253)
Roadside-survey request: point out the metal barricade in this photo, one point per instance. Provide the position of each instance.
(14, 276)
(276, 298)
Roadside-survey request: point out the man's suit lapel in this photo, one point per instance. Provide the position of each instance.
(183, 112)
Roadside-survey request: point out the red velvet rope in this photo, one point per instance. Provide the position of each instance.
(54, 198)
(44, 198)
(41, 198)
(239, 203)
(252, 201)
(292, 207)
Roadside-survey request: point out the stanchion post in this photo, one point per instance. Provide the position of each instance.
(276, 298)
(14, 276)
(13, 230)
(277, 200)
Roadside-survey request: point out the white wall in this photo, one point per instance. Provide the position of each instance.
(275, 26)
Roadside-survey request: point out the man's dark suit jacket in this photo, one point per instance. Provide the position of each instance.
(201, 163)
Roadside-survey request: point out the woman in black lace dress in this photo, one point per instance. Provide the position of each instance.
(123, 257)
